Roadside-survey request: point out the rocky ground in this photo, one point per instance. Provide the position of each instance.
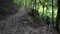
(22, 23)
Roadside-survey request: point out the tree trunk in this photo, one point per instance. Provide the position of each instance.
(52, 14)
(58, 17)
(35, 4)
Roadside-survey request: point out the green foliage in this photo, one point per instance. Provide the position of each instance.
(39, 6)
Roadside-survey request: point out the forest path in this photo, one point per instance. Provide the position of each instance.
(39, 30)
(30, 30)
(15, 24)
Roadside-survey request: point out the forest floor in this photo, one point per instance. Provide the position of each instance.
(38, 29)
(43, 30)
(13, 26)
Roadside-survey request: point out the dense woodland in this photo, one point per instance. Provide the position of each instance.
(44, 8)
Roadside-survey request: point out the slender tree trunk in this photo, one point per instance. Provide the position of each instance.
(24, 2)
(46, 10)
(58, 17)
(35, 4)
(43, 14)
(52, 14)
(31, 4)
(43, 10)
(57, 23)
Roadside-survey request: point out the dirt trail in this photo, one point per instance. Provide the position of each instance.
(16, 25)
